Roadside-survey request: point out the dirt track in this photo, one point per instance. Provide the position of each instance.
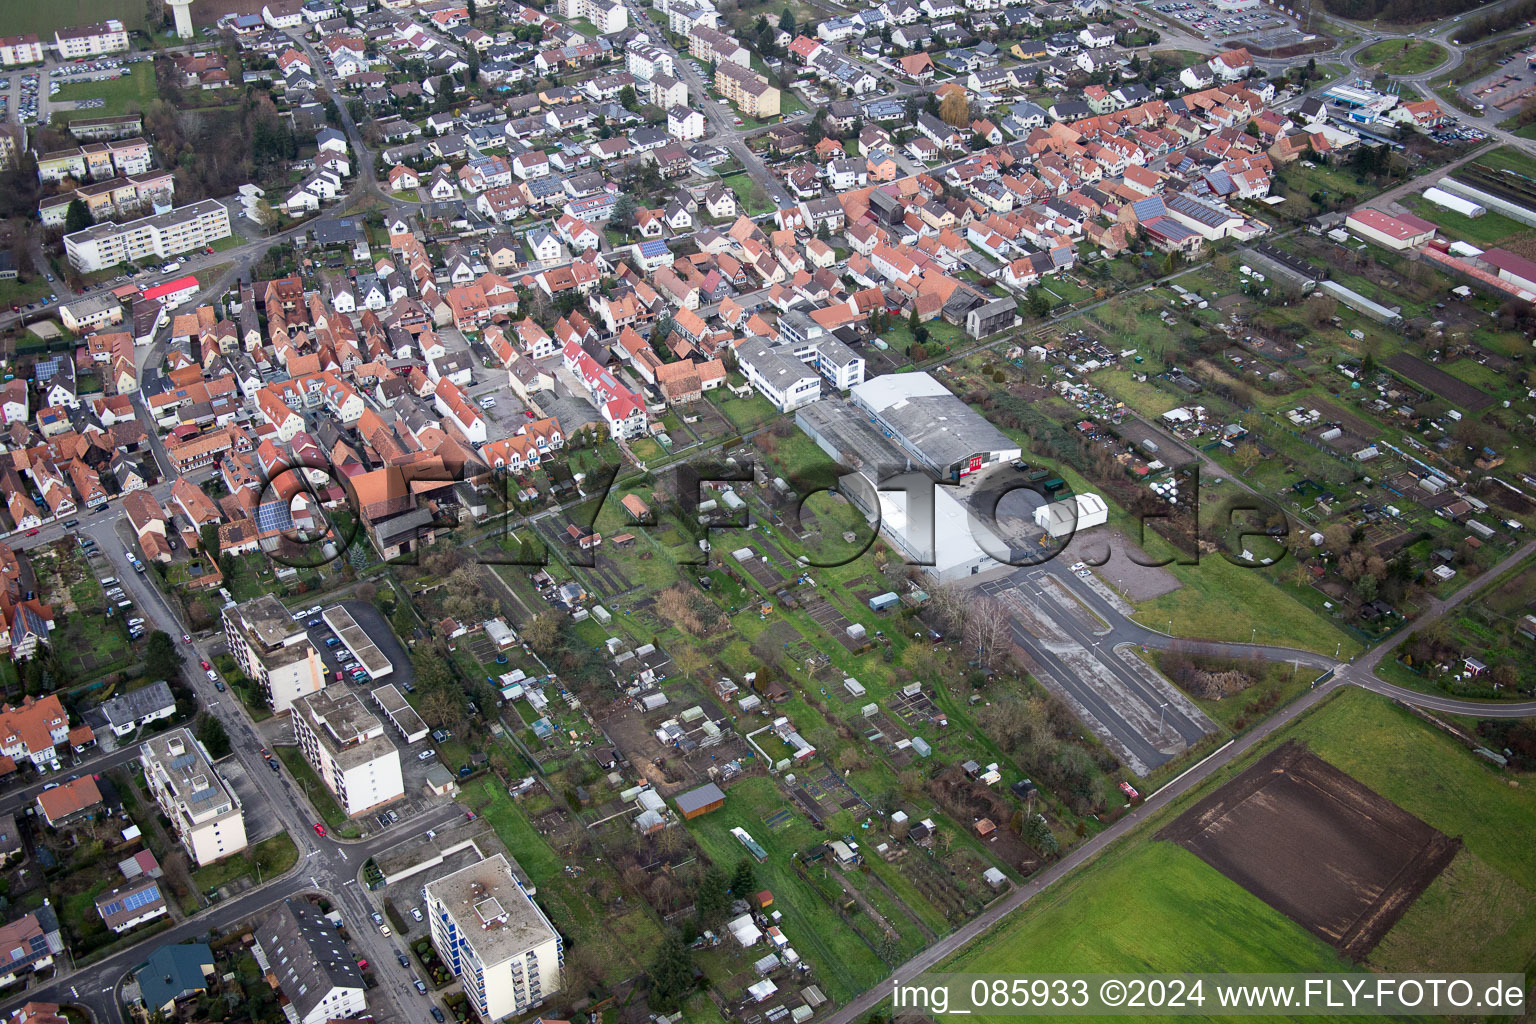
(1337, 858)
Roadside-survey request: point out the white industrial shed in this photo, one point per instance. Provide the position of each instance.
(1080, 512)
(1455, 203)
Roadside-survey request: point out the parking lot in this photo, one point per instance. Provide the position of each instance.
(1260, 27)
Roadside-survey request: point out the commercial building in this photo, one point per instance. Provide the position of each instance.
(155, 237)
(314, 969)
(747, 89)
(932, 425)
(1064, 518)
(91, 40)
(1395, 233)
(345, 743)
(205, 813)
(495, 938)
(273, 651)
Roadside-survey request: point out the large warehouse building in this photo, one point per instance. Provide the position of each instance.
(933, 426)
(1064, 518)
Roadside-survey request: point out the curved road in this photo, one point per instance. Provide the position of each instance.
(1356, 673)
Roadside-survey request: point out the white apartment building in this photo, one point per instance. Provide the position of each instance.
(777, 374)
(274, 651)
(346, 745)
(607, 16)
(312, 963)
(205, 813)
(91, 40)
(23, 49)
(164, 234)
(495, 938)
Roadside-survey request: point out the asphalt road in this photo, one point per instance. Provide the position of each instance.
(1357, 673)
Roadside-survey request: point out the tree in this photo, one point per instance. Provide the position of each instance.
(1247, 456)
(1366, 587)
(627, 98)
(211, 734)
(671, 974)
(624, 209)
(1037, 833)
(661, 329)
(266, 217)
(1039, 305)
(714, 898)
(743, 879)
(77, 217)
(469, 8)
(823, 233)
(986, 629)
(543, 633)
(160, 660)
(955, 109)
(787, 21)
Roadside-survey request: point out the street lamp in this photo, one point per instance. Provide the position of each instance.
(1161, 709)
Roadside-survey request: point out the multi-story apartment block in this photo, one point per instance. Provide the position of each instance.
(91, 40)
(163, 234)
(346, 745)
(312, 964)
(711, 44)
(95, 161)
(33, 730)
(274, 651)
(23, 49)
(495, 938)
(607, 16)
(781, 378)
(117, 197)
(205, 813)
(747, 89)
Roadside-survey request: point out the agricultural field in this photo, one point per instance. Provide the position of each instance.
(43, 19)
(1107, 917)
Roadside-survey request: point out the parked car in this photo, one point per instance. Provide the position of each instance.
(205, 665)
(421, 988)
(416, 913)
(213, 676)
(320, 831)
(405, 961)
(437, 1015)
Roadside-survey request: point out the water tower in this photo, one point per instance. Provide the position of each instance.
(182, 11)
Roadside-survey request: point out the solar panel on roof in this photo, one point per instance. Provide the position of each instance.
(142, 898)
(184, 761)
(274, 515)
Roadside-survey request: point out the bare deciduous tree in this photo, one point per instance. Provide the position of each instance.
(986, 629)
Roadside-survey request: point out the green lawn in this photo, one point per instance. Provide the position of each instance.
(1489, 229)
(23, 292)
(129, 94)
(324, 802)
(274, 856)
(752, 197)
(1406, 57)
(1222, 601)
(1151, 906)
